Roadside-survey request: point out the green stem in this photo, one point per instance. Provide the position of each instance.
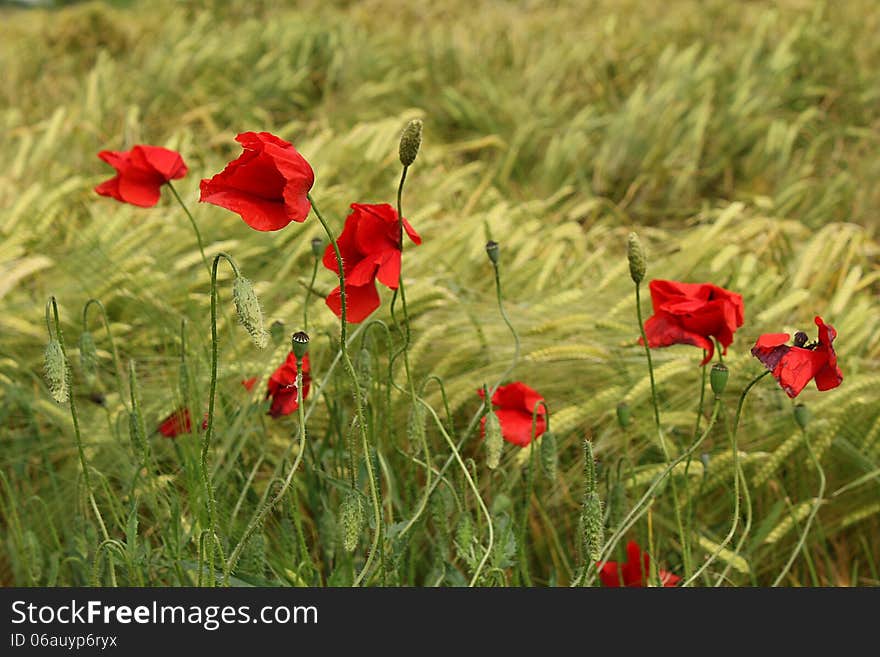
(689, 507)
(742, 399)
(361, 417)
(530, 486)
(193, 222)
(308, 295)
(110, 339)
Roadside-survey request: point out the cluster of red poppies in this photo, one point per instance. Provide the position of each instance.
(268, 185)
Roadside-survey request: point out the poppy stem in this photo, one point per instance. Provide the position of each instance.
(530, 485)
(685, 545)
(359, 408)
(193, 222)
(113, 351)
(56, 323)
(689, 502)
(747, 499)
(500, 297)
(819, 500)
(308, 295)
(268, 505)
(742, 399)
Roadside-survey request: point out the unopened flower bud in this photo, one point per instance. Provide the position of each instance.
(55, 366)
(464, 535)
(135, 432)
(276, 330)
(801, 415)
(592, 526)
(492, 251)
(299, 344)
(549, 455)
(636, 256)
(410, 141)
(718, 378)
(318, 247)
(623, 415)
(351, 515)
(494, 440)
(248, 308)
(88, 356)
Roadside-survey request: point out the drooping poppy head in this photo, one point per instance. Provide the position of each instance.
(634, 571)
(179, 422)
(370, 248)
(693, 313)
(794, 366)
(514, 405)
(282, 386)
(267, 185)
(140, 174)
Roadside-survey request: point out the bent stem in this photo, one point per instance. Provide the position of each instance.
(113, 351)
(359, 408)
(53, 305)
(268, 505)
(803, 538)
(685, 543)
(530, 486)
(194, 224)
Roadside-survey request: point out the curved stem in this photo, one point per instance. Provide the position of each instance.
(689, 506)
(506, 318)
(359, 408)
(110, 339)
(193, 222)
(530, 485)
(742, 399)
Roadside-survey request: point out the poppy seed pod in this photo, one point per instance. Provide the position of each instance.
(55, 366)
(549, 454)
(318, 246)
(88, 356)
(801, 415)
(299, 343)
(492, 251)
(623, 415)
(410, 141)
(718, 378)
(636, 256)
(351, 514)
(248, 308)
(494, 440)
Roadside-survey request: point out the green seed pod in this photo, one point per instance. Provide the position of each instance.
(464, 534)
(276, 330)
(718, 378)
(494, 440)
(55, 367)
(549, 455)
(299, 344)
(135, 432)
(248, 308)
(88, 356)
(801, 416)
(492, 250)
(592, 526)
(318, 247)
(351, 515)
(410, 141)
(623, 415)
(636, 256)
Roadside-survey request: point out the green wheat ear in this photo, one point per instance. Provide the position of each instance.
(55, 367)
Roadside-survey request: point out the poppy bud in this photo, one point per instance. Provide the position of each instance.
(55, 367)
(248, 308)
(299, 343)
(276, 330)
(494, 440)
(492, 251)
(636, 256)
(135, 432)
(718, 378)
(801, 415)
(464, 534)
(365, 368)
(800, 339)
(253, 556)
(351, 514)
(623, 415)
(617, 503)
(410, 141)
(549, 455)
(318, 247)
(88, 356)
(592, 527)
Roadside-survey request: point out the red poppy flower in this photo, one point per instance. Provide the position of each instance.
(794, 366)
(370, 248)
(267, 185)
(249, 383)
(692, 313)
(282, 386)
(634, 571)
(140, 173)
(179, 422)
(515, 404)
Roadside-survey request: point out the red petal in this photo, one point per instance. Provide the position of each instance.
(516, 426)
(664, 330)
(361, 300)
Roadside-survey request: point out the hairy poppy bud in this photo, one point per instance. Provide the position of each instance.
(464, 534)
(636, 256)
(248, 308)
(492, 251)
(494, 440)
(299, 343)
(623, 415)
(135, 431)
(88, 356)
(592, 526)
(549, 455)
(253, 556)
(365, 368)
(351, 515)
(410, 141)
(802, 415)
(276, 330)
(55, 366)
(718, 378)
